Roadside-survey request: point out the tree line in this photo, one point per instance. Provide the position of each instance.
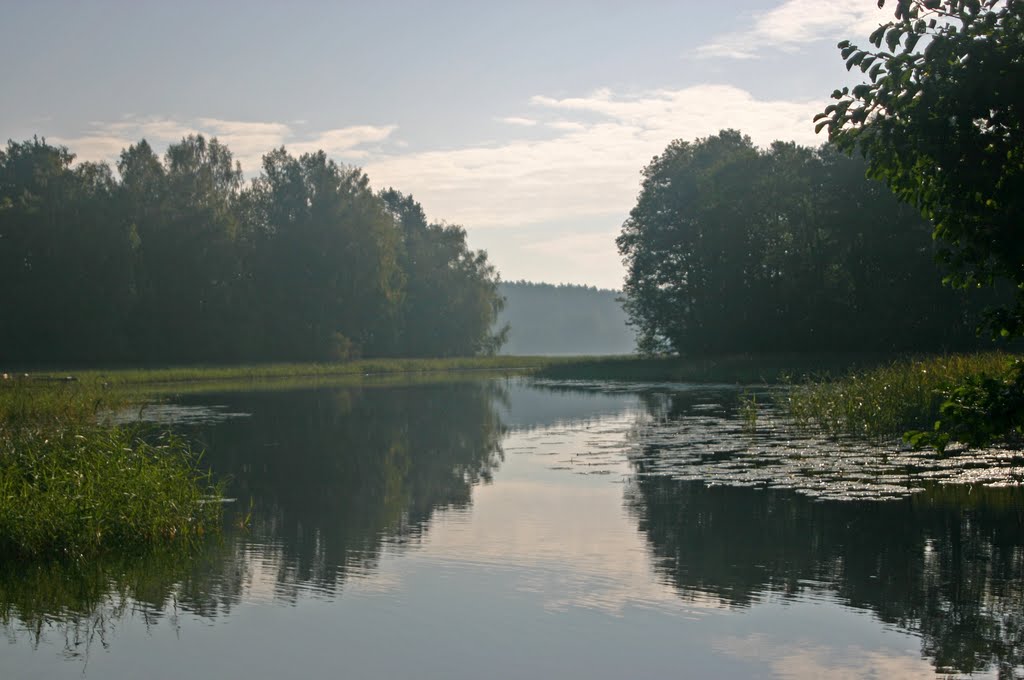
(733, 248)
(546, 319)
(180, 260)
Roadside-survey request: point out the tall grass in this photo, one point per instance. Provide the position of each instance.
(735, 368)
(888, 400)
(357, 368)
(73, 493)
(71, 487)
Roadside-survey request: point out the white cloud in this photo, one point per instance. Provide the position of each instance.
(516, 120)
(343, 141)
(798, 22)
(592, 167)
(247, 140)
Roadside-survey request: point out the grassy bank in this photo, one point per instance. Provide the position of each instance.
(890, 399)
(151, 379)
(73, 488)
(749, 369)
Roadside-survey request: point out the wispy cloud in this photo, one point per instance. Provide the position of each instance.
(516, 120)
(248, 140)
(591, 167)
(795, 23)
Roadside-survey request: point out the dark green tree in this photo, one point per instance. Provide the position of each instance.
(941, 121)
(325, 267)
(451, 297)
(64, 256)
(735, 249)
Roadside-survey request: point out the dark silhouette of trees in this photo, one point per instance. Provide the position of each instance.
(732, 248)
(178, 259)
(942, 123)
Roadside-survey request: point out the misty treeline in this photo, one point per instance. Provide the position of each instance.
(732, 248)
(563, 319)
(178, 259)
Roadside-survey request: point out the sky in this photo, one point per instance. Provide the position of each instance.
(528, 123)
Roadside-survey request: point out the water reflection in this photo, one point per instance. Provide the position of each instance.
(653, 507)
(332, 475)
(322, 479)
(947, 564)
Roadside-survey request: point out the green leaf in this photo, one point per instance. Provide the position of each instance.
(892, 38)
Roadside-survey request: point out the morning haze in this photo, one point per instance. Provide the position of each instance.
(457, 339)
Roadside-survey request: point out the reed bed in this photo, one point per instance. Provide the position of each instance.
(72, 488)
(890, 399)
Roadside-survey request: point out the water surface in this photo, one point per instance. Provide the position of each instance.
(496, 528)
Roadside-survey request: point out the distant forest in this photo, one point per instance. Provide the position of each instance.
(178, 260)
(563, 319)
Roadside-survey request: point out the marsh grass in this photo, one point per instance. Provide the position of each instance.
(27, 402)
(737, 368)
(887, 400)
(116, 378)
(72, 493)
(72, 488)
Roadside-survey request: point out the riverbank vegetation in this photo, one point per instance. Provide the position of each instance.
(72, 488)
(111, 389)
(772, 368)
(177, 260)
(890, 399)
(939, 121)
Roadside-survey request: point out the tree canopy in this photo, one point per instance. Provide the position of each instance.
(179, 259)
(941, 121)
(732, 248)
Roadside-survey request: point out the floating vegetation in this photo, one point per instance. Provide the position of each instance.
(700, 434)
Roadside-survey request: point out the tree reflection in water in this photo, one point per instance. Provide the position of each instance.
(326, 477)
(946, 563)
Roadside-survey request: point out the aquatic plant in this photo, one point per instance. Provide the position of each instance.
(75, 492)
(71, 487)
(888, 400)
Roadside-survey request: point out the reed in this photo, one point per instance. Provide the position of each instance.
(887, 400)
(72, 487)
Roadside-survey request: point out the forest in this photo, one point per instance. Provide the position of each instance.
(734, 248)
(178, 259)
(565, 319)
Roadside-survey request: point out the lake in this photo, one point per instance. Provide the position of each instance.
(509, 528)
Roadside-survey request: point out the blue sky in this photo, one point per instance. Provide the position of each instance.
(528, 123)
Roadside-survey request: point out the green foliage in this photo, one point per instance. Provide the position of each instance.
(72, 489)
(74, 493)
(941, 121)
(734, 249)
(451, 297)
(977, 411)
(175, 261)
(888, 400)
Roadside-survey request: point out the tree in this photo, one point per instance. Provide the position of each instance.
(732, 248)
(451, 297)
(324, 264)
(942, 122)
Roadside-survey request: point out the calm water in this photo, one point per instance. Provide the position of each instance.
(506, 529)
